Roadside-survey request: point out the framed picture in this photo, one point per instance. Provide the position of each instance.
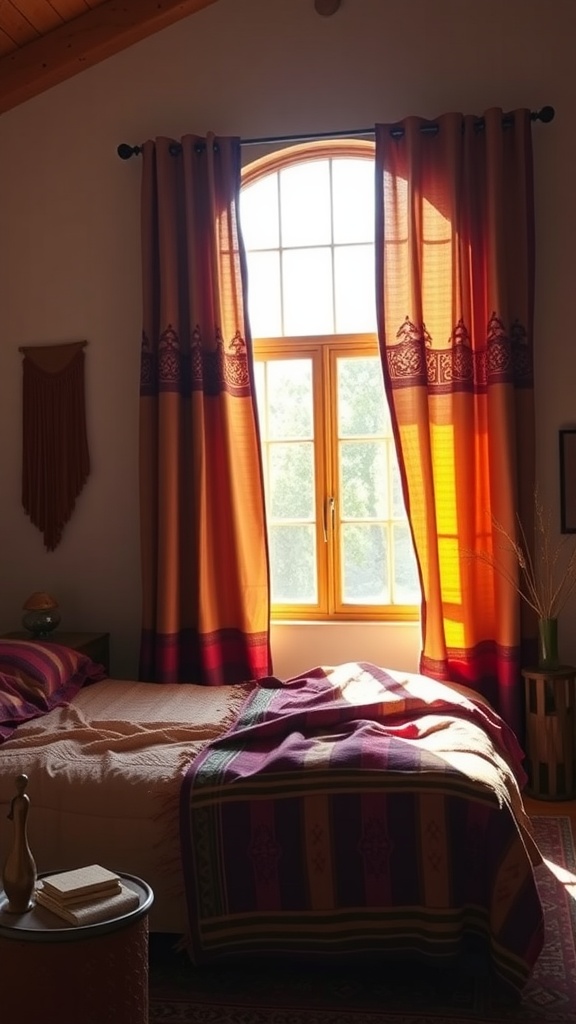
(568, 481)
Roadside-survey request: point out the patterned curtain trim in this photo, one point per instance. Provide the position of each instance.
(213, 371)
(506, 359)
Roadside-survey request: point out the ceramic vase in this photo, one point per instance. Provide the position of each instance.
(548, 657)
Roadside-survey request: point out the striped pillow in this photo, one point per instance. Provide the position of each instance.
(36, 677)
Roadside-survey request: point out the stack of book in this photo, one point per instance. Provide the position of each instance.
(86, 895)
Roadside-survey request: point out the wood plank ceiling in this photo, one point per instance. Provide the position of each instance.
(44, 42)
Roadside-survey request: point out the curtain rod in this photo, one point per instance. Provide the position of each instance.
(546, 114)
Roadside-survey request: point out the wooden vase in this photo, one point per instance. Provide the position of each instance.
(19, 875)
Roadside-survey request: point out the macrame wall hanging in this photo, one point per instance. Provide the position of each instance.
(55, 457)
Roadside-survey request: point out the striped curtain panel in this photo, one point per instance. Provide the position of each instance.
(205, 576)
(455, 282)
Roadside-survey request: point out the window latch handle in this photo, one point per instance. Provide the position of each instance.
(329, 512)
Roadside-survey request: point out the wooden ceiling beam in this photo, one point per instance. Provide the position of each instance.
(86, 40)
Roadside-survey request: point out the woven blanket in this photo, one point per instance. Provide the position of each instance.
(348, 812)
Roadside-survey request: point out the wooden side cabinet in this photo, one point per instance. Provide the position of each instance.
(95, 645)
(550, 701)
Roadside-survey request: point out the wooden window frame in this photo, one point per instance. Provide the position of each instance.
(324, 352)
(329, 606)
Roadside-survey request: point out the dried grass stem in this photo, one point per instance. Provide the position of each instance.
(545, 584)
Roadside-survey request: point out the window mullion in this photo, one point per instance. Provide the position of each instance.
(330, 435)
(332, 252)
(322, 485)
(280, 250)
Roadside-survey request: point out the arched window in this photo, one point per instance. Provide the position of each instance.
(340, 545)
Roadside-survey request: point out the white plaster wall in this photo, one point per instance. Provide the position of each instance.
(70, 257)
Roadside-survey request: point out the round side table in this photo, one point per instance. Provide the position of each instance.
(93, 973)
(550, 701)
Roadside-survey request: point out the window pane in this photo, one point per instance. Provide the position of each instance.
(293, 564)
(364, 480)
(305, 204)
(354, 289)
(290, 407)
(291, 475)
(307, 280)
(353, 189)
(364, 558)
(362, 404)
(259, 214)
(406, 584)
(264, 295)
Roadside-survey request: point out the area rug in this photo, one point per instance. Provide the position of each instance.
(389, 993)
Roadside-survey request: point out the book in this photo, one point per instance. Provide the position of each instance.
(94, 911)
(78, 899)
(80, 882)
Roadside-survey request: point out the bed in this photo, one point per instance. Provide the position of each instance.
(352, 811)
(105, 759)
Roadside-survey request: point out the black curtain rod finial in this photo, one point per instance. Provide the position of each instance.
(125, 151)
(545, 115)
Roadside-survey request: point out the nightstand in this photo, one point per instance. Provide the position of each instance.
(95, 645)
(91, 973)
(550, 702)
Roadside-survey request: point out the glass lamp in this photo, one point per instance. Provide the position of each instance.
(41, 614)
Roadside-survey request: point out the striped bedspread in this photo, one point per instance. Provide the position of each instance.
(351, 813)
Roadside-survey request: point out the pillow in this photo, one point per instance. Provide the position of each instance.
(36, 677)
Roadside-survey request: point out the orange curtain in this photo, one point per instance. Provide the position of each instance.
(205, 572)
(455, 270)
